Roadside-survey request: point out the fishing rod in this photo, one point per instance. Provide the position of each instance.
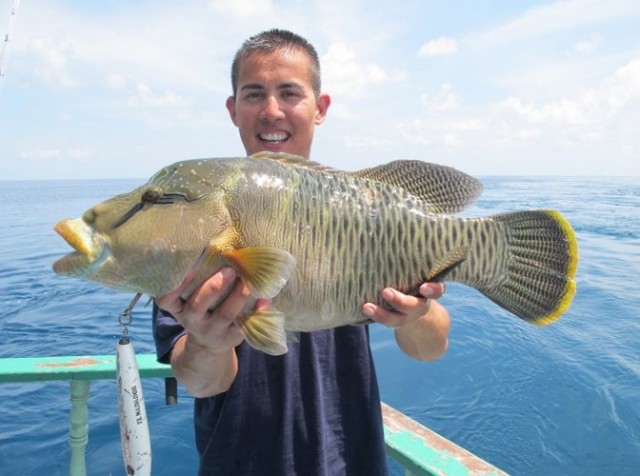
(7, 38)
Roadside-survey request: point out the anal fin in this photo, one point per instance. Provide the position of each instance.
(445, 264)
(441, 268)
(264, 330)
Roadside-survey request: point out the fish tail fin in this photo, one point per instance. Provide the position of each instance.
(541, 260)
(264, 330)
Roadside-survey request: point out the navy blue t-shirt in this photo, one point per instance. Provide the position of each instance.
(312, 411)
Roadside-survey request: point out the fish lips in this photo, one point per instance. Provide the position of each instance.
(88, 246)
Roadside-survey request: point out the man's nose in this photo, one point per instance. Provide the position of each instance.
(271, 110)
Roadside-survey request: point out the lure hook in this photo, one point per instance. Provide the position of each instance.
(126, 317)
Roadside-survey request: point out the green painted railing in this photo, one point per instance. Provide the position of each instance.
(419, 450)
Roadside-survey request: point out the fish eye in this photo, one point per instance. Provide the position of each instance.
(152, 194)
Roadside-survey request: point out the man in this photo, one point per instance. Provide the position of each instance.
(316, 409)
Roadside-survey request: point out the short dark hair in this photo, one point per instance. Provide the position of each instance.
(273, 40)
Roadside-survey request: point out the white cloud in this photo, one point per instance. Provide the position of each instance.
(591, 110)
(557, 17)
(344, 75)
(116, 81)
(440, 46)
(178, 44)
(588, 46)
(454, 132)
(445, 100)
(75, 153)
(591, 115)
(52, 61)
(46, 154)
(243, 10)
(147, 98)
(366, 141)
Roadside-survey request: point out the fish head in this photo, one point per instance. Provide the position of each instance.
(145, 240)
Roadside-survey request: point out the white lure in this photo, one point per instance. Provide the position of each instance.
(134, 428)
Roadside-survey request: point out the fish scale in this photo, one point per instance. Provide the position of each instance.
(382, 224)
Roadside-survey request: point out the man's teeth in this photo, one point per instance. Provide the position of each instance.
(274, 136)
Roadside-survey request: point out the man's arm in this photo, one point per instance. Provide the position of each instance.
(421, 324)
(204, 359)
(203, 373)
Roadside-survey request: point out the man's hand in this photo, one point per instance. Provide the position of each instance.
(421, 324)
(215, 330)
(204, 360)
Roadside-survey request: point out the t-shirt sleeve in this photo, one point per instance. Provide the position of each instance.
(166, 332)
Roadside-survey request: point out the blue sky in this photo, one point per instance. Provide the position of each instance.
(121, 88)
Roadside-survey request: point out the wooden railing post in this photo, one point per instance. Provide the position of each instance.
(78, 426)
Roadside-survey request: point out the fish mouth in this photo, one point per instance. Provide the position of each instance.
(88, 246)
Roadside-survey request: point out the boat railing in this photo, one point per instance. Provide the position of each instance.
(419, 450)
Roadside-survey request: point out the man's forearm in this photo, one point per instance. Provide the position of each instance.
(201, 372)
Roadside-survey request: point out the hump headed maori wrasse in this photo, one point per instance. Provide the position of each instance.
(320, 242)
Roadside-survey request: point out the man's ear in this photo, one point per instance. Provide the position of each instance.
(231, 107)
(322, 105)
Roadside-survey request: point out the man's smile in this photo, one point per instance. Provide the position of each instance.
(274, 137)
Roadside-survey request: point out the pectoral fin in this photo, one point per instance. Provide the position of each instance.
(264, 270)
(264, 330)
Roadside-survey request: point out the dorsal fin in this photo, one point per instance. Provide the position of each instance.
(445, 189)
(294, 160)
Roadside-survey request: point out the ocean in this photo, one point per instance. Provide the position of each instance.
(558, 400)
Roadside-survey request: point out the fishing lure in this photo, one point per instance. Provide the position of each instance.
(134, 427)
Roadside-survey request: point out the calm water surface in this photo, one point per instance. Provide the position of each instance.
(559, 400)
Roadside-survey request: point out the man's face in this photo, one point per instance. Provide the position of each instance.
(275, 108)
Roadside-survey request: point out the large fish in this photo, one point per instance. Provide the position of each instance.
(319, 241)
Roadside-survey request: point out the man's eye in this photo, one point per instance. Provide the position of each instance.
(250, 96)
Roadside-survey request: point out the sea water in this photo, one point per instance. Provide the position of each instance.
(559, 400)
